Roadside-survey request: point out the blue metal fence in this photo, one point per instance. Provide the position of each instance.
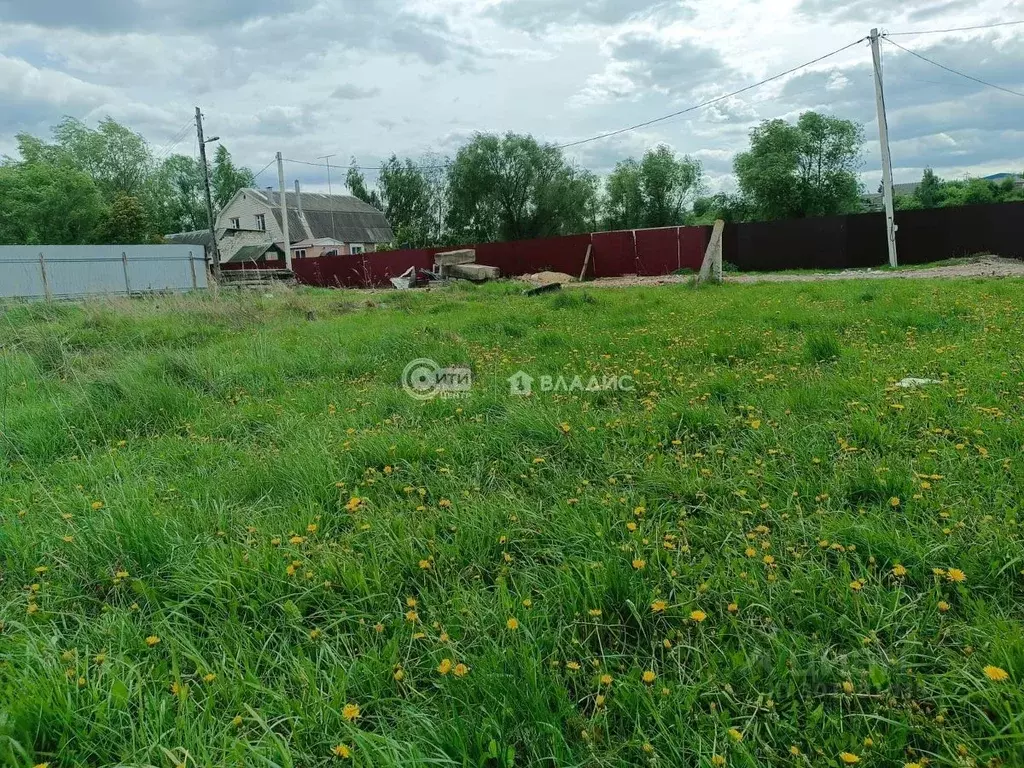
(71, 271)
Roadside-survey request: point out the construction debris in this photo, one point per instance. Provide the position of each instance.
(912, 383)
(461, 265)
(549, 278)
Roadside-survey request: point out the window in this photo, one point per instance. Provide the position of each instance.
(271, 255)
(300, 254)
(236, 223)
(261, 222)
(357, 249)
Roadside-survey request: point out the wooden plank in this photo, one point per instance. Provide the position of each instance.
(586, 262)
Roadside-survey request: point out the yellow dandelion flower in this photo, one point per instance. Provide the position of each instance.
(659, 606)
(412, 617)
(353, 504)
(849, 758)
(848, 686)
(445, 666)
(425, 565)
(444, 504)
(209, 678)
(733, 608)
(512, 623)
(40, 569)
(631, 526)
(717, 760)
(956, 575)
(461, 670)
(899, 571)
(572, 666)
(794, 751)
(399, 675)
(856, 585)
(97, 505)
(351, 712)
(649, 677)
(152, 641)
(943, 606)
(341, 751)
(735, 735)
(996, 674)
(595, 612)
(750, 552)
(698, 616)
(600, 700)
(639, 564)
(606, 679)
(912, 765)
(236, 721)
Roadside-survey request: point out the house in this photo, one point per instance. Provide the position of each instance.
(318, 224)
(237, 246)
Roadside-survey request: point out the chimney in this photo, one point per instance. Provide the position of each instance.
(298, 197)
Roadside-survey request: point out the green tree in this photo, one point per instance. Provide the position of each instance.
(654, 192)
(405, 199)
(929, 192)
(124, 222)
(807, 169)
(47, 204)
(729, 208)
(227, 178)
(356, 183)
(512, 188)
(117, 158)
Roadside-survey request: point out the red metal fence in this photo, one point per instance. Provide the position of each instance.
(835, 242)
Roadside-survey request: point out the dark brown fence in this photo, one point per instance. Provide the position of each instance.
(830, 242)
(849, 242)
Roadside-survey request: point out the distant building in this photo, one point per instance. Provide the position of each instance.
(319, 225)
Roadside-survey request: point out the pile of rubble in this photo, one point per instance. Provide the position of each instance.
(454, 265)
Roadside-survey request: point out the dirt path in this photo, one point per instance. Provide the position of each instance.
(985, 266)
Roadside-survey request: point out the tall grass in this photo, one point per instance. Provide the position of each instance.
(758, 523)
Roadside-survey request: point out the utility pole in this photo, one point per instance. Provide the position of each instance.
(284, 213)
(883, 138)
(330, 193)
(215, 255)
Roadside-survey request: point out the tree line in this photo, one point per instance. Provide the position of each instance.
(105, 185)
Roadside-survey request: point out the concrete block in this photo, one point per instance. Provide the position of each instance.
(478, 273)
(451, 258)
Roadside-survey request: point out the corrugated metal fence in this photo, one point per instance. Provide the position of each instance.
(70, 271)
(830, 242)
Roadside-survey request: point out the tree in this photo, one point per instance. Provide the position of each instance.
(176, 198)
(929, 192)
(117, 158)
(512, 188)
(124, 222)
(807, 169)
(47, 204)
(405, 200)
(729, 208)
(653, 192)
(356, 183)
(227, 178)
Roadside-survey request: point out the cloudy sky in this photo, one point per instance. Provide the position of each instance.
(365, 78)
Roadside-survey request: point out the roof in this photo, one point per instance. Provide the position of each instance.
(199, 237)
(341, 217)
(253, 252)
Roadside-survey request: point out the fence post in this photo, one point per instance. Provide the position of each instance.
(46, 281)
(192, 269)
(124, 263)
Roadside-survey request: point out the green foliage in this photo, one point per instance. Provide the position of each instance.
(47, 204)
(934, 192)
(183, 468)
(124, 223)
(356, 182)
(652, 193)
(226, 178)
(513, 188)
(929, 193)
(807, 169)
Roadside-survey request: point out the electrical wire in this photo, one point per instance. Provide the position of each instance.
(954, 71)
(954, 29)
(363, 167)
(256, 176)
(175, 141)
(716, 100)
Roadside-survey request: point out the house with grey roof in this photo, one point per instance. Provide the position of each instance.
(318, 224)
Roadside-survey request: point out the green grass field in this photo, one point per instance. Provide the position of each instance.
(228, 537)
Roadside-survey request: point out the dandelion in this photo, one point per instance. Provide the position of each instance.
(899, 571)
(912, 765)
(639, 564)
(606, 679)
(412, 617)
(314, 634)
(152, 641)
(444, 504)
(572, 666)
(209, 678)
(461, 670)
(512, 624)
(631, 526)
(353, 504)
(351, 712)
(856, 585)
(848, 686)
(893, 502)
(341, 751)
(698, 616)
(794, 751)
(659, 606)
(96, 505)
(769, 560)
(717, 760)
(595, 612)
(41, 569)
(956, 575)
(734, 608)
(425, 565)
(849, 758)
(399, 674)
(649, 677)
(296, 540)
(237, 721)
(32, 608)
(735, 735)
(943, 606)
(996, 674)
(750, 552)
(445, 667)
(600, 700)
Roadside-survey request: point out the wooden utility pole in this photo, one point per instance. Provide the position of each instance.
(284, 213)
(883, 138)
(215, 251)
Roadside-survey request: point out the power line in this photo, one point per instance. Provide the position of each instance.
(954, 29)
(711, 101)
(175, 141)
(256, 176)
(954, 71)
(364, 167)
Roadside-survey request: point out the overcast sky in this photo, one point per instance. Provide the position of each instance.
(365, 78)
